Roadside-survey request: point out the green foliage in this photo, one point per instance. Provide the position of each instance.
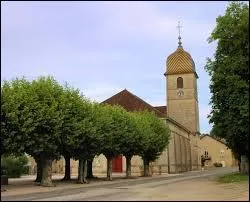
(110, 123)
(14, 166)
(89, 140)
(131, 142)
(156, 135)
(233, 177)
(229, 73)
(35, 118)
(75, 108)
(46, 120)
(12, 102)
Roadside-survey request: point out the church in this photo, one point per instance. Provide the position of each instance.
(181, 113)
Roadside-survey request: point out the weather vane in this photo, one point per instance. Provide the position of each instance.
(179, 30)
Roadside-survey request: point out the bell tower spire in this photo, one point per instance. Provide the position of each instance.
(179, 31)
(182, 95)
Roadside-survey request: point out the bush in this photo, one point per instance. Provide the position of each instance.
(217, 164)
(13, 166)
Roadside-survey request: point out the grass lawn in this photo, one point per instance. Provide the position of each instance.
(233, 177)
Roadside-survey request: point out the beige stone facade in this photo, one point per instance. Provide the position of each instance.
(218, 152)
(182, 107)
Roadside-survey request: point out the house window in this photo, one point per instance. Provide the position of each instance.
(206, 154)
(179, 82)
(222, 153)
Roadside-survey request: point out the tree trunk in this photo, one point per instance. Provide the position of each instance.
(90, 169)
(128, 166)
(239, 162)
(47, 173)
(39, 168)
(146, 168)
(244, 165)
(85, 167)
(80, 171)
(67, 168)
(109, 168)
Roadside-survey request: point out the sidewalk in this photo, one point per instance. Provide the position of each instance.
(26, 184)
(195, 185)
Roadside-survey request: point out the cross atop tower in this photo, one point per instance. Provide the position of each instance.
(179, 30)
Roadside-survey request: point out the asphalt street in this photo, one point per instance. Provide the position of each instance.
(118, 190)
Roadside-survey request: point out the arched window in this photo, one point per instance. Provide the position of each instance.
(179, 82)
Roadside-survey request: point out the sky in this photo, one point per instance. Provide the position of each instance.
(104, 47)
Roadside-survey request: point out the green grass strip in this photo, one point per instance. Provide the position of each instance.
(233, 177)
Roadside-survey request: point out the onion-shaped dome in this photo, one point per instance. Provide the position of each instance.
(180, 62)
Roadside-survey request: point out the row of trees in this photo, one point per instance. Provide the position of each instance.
(46, 120)
(229, 71)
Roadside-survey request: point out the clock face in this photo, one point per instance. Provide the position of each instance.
(180, 93)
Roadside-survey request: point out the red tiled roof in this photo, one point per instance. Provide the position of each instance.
(162, 109)
(131, 102)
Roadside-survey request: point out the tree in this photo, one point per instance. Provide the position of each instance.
(33, 109)
(132, 141)
(156, 136)
(229, 73)
(11, 129)
(13, 99)
(90, 168)
(71, 102)
(89, 141)
(109, 124)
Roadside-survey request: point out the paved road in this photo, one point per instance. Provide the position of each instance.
(134, 189)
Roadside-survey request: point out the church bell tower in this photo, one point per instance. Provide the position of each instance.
(182, 96)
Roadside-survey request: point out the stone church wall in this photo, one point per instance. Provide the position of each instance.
(136, 165)
(161, 164)
(179, 149)
(180, 155)
(183, 110)
(196, 152)
(171, 153)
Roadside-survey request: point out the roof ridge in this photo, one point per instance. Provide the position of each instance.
(144, 102)
(178, 124)
(114, 95)
(215, 138)
(147, 104)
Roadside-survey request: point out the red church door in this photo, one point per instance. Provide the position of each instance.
(117, 164)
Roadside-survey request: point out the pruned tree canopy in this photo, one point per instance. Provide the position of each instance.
(47, 120)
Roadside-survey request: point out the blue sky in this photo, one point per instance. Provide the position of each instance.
(103, 47)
